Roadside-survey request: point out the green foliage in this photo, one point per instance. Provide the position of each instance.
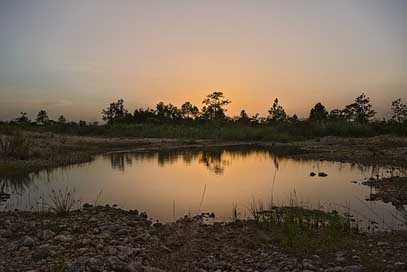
(302, 229)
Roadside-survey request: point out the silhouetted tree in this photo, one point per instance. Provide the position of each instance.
(167, 113)
(42, 117)
(277, 113)
(318, 113)
(398, 111)
(82, 123)
(337, 115)
(214, 104)
(23, 119)
(144, 116)
(255, 119)
(114, 112)
(361, 110)
(62, 120)
(293, 119)
(189, 111)
(243, 118)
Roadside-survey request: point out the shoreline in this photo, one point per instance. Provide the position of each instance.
(51, 150)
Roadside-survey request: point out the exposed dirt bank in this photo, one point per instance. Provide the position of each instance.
(110, 239)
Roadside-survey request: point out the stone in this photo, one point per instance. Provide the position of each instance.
(115, 263)
(27, 241)
(352, 268)
(42, 252)
(62, 238)
(152, 269)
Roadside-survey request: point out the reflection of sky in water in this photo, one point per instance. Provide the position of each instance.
(153, 181)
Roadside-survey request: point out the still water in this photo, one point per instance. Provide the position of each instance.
(168, 185)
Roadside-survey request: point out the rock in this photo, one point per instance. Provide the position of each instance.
(322, 174)
(99, 246)
(42, 252)
(312, 174)
(134, 267)
(382, 244)
(115, 263)
(83, 250)
(62, 238)
(85, 241)
(122, 232)
(340, 259)
(165, 248)
(47, 234)
(27, 241)
(352, 268)
(152, 269)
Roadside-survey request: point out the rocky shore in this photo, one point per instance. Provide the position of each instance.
(111, 239)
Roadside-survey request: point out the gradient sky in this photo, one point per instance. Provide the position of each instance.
(74, 57)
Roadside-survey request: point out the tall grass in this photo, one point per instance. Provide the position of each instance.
(14, 146)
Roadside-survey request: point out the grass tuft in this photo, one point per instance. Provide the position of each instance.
(63, 201)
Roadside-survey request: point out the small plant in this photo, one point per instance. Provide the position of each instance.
(63, 201)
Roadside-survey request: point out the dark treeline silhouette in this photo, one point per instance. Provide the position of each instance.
(211, 121)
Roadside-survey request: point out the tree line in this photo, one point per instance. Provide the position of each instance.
(214, 110)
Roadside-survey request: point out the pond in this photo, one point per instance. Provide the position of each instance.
(168, 185)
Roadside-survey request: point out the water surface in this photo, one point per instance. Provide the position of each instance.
(168, 185)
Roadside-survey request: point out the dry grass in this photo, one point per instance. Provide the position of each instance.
(15, 146)
(63, 201)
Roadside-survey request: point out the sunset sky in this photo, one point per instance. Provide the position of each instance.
(74, 57)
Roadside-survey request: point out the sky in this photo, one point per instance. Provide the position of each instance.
(75, 57)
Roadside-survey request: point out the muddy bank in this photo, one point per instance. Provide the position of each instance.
(111, 239)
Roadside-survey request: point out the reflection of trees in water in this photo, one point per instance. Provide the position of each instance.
(119, 161)
(20, 183)
(15, 184)
(215, 159)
